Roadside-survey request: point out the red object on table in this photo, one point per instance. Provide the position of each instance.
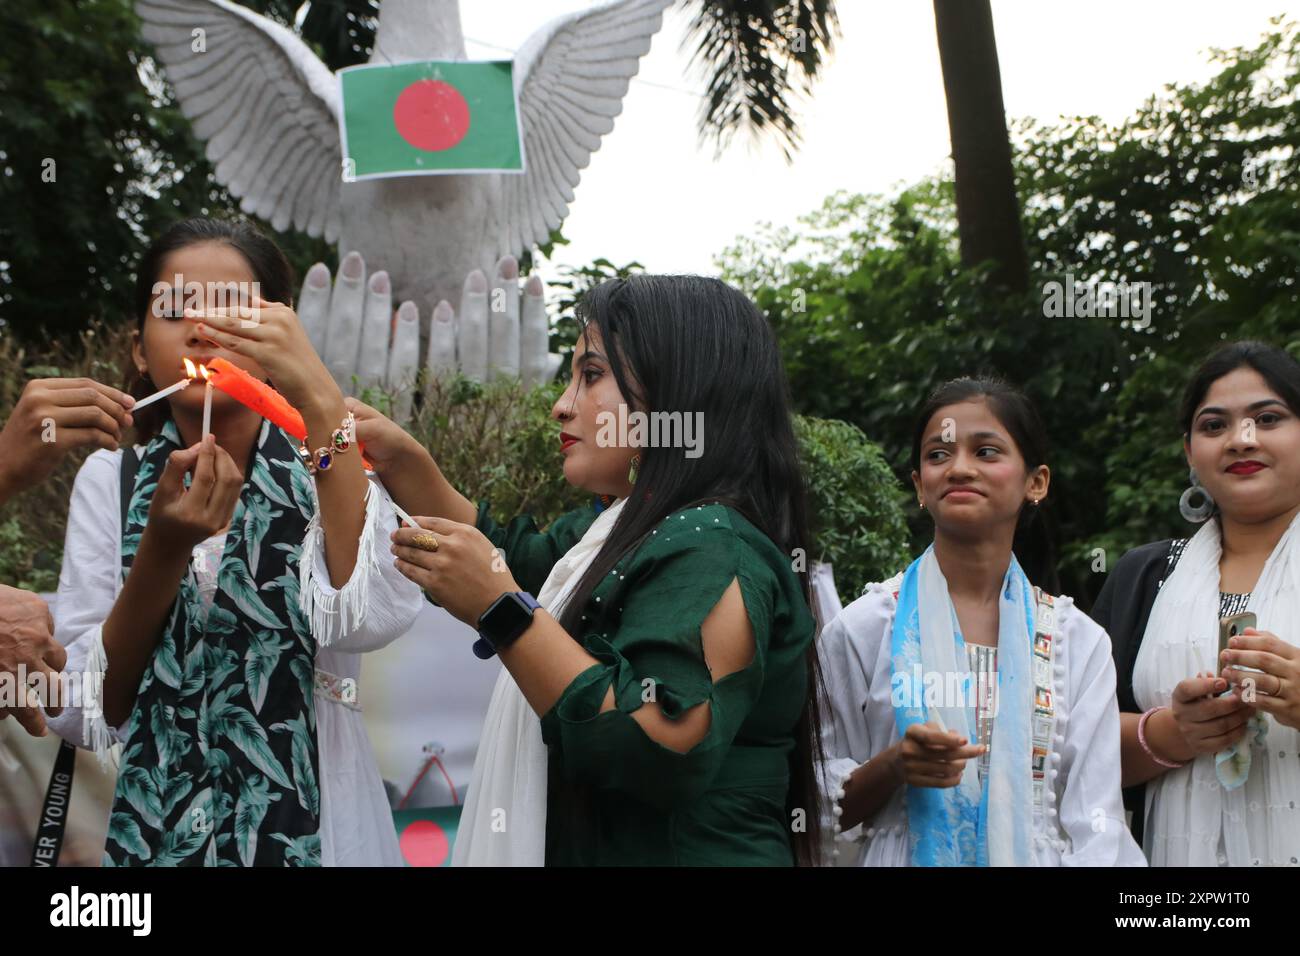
(261, 398)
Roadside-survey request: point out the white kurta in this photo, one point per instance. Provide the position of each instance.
(1086, 826)
(356, 821)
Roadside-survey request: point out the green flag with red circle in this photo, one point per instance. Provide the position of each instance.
(430, 117)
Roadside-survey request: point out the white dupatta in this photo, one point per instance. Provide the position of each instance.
(1188, 810)
(504, 819)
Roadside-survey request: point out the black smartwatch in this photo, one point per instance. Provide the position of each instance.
(502, 623)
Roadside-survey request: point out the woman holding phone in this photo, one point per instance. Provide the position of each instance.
(1213, 749)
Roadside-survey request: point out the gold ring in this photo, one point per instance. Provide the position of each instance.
(425, 541)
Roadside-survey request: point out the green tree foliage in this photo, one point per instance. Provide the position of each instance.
(1197, 193)
(95, 160)
(856, 508)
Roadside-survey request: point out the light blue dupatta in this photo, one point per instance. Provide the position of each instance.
(966, 825)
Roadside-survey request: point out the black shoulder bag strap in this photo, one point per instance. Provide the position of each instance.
(53, 822)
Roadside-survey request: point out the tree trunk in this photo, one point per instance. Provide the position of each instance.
(988, 212)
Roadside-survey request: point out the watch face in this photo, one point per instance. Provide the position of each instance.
(506, 620)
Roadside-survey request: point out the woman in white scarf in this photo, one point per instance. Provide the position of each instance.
(973, 718)
(660, 707)
(1218, 747)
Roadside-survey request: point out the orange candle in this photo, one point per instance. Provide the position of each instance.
(261, 398)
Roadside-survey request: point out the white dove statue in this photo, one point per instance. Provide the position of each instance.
(270, 111)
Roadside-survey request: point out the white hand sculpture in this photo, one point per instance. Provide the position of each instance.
(352, 326)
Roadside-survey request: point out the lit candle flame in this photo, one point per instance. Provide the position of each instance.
(203, 370)
(189, 368)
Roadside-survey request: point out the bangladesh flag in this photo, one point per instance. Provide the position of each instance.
(430, 117)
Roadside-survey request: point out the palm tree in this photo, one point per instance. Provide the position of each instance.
(988, 211)
(758, 57)
(749, 51)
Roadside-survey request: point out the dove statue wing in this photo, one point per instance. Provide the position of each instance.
(571, 77)
(266, 106)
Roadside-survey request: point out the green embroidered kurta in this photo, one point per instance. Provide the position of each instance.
(615, 796)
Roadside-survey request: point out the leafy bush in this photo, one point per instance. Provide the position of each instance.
(494, 441)
(855, 504)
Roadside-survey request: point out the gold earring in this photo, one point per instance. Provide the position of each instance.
(921, 502)
(634, 469)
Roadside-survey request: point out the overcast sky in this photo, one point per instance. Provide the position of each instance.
(876, 120)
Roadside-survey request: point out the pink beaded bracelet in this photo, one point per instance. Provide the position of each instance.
(1142, 739)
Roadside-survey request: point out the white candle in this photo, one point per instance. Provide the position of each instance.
(207, 408)
(159, 395)
(404, 516)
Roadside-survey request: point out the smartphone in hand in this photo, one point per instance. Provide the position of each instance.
(1230, 627)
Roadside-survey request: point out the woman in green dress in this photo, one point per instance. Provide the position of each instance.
(657, 703)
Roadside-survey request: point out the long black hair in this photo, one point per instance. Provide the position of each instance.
(274, 274)
(1032, 544)
(1277, 367)
(692, 344)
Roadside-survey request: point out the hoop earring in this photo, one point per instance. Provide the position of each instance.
(634, 469)
(1195, 513)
